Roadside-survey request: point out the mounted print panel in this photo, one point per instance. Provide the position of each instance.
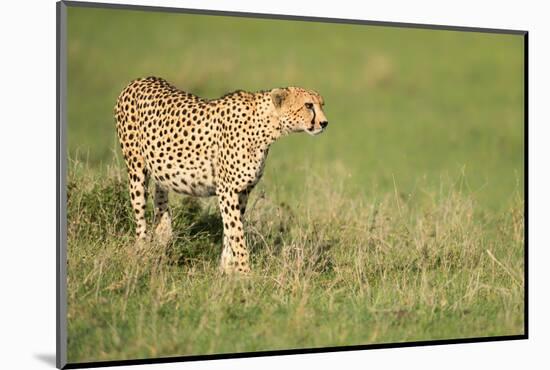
(246, 184)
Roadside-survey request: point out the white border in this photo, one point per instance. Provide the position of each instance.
(28, 186)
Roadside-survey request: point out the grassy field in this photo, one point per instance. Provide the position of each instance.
(403, 221)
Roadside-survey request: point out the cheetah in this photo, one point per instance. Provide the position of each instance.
(202, 147)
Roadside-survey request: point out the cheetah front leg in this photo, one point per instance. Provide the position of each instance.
(163, 222)
(235, 256)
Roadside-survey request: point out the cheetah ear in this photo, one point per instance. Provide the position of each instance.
(278, 96)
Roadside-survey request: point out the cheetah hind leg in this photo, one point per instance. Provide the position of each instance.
(163, 222)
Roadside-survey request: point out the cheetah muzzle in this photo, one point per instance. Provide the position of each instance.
(206, 147)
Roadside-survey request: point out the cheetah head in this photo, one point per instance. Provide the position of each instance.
(299, 110)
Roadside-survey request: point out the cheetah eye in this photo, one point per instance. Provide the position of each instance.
(309, 105)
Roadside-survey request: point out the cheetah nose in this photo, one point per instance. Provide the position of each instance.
(323, 124)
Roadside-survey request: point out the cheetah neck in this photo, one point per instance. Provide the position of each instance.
(269, 127)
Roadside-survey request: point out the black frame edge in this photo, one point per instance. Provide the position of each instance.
(82, 4)
(526, 181)
(289, 352)
(61, 74)
(58, 363)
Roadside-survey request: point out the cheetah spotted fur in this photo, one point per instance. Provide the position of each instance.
(206, 147)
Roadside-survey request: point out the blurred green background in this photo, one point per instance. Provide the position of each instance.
(406, 106)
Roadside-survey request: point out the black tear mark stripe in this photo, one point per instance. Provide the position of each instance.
(313, 119)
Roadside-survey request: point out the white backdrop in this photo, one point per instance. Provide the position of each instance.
(27, 57)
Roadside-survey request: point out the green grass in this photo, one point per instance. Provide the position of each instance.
(403, 221)
(330, 271)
